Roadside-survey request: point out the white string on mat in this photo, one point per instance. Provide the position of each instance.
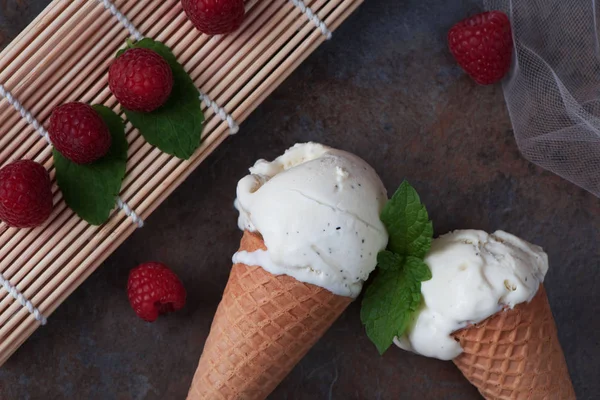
(122, 19)
(314, 18)
(14, 292)
(135, 218)
(26, 114)
(219, 111)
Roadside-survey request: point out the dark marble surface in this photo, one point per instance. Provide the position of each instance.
(386, 89)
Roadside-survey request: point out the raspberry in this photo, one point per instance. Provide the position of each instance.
(154, 289)
(214, 17)
(482, 46)
(141, 80)
(25, 194)
(79, 133)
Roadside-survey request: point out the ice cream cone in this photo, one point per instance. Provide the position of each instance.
(263, 326)
(515, 354)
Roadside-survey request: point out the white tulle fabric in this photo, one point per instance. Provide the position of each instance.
(553, 89)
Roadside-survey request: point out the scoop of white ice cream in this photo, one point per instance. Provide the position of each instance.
(474, 275)
(317, 210)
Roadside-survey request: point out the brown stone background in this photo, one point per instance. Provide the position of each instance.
(386, 89)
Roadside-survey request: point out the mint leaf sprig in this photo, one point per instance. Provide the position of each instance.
(176, 127)
(395, 294)
(91, 190)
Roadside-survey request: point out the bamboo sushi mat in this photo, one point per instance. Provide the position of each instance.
(64, 56)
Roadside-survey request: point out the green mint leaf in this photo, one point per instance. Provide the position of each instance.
(176, 127)
(91, 189)
(389, 303)
(394, 296)
(388, 261)
(407, 223)
(417, 269)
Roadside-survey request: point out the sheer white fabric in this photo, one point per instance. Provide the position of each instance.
(553, 89)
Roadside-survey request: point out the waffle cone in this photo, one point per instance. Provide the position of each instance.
(263, 326)
(515, 354)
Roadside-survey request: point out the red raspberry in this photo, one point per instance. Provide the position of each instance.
(154, 289)
(25, 194)
(214, 17)
(79, 133)
(482, 46)
(141, 80)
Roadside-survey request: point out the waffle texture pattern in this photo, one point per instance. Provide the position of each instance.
(515, 354)
(263, 326)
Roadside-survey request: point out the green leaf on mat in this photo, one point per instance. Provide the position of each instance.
(91, 189)
(176, 127)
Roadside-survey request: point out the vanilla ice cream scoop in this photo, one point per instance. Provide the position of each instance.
(474, 275)
(317, 210)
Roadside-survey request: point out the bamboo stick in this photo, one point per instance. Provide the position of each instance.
(25, 41)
